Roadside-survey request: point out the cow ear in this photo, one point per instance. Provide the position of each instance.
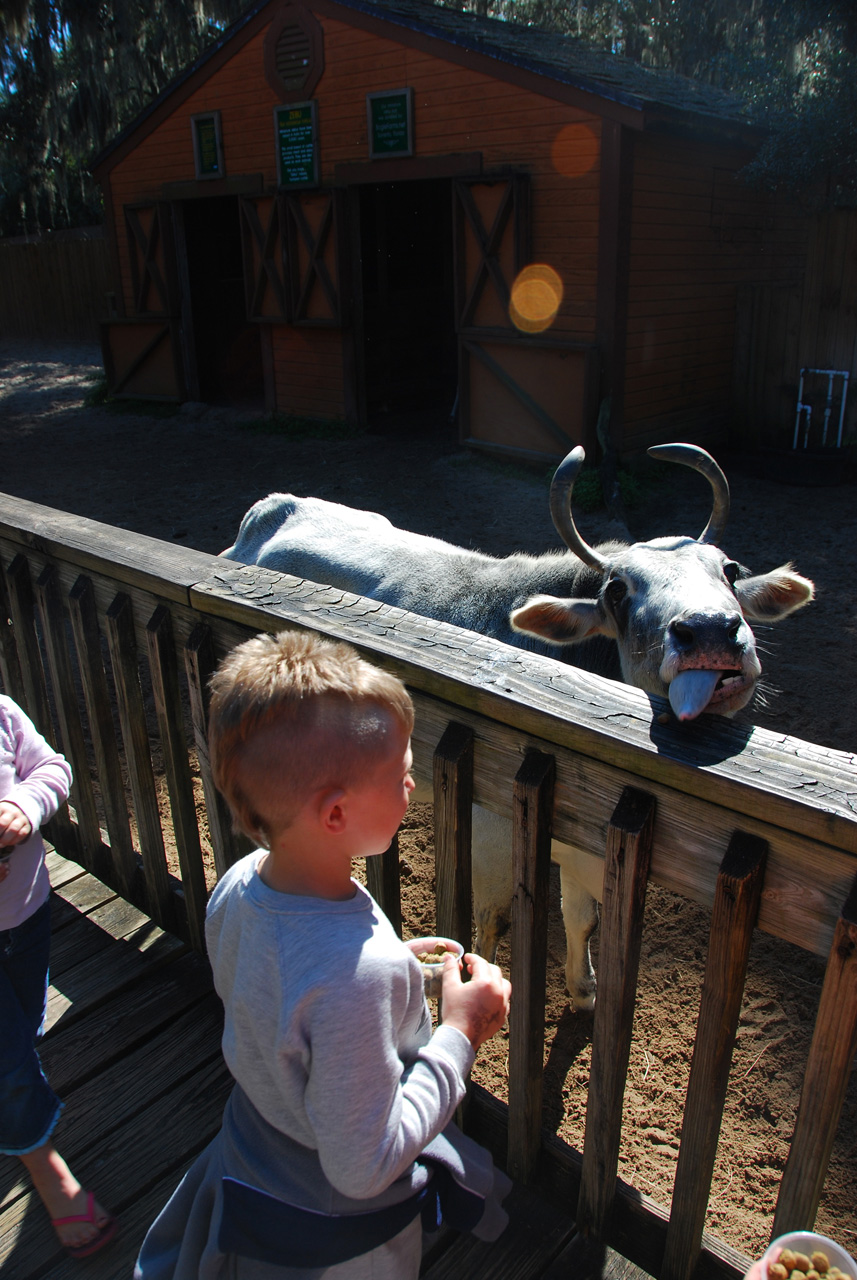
(771, 596)
(560, 621)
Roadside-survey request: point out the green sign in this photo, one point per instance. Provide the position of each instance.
(206, 147)
(297, 145)
(390, 123)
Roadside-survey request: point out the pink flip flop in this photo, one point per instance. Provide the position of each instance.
(105, 1233)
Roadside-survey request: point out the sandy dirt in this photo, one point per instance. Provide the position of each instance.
(190, 477)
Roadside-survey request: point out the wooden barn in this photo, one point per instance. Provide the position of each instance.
(399, 214)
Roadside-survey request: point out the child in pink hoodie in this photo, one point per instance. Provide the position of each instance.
(34, 783)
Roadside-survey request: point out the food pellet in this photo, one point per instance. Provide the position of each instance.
(797, 1266)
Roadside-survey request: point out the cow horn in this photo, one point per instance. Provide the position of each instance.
(561, 489)
(690, 455)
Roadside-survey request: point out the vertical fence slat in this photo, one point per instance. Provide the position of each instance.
(452, 768)
(382, 881)
(531, 851)
(132, 717)
(831, 1057)
(626, 870)
(736, 906)
(22, 604)
(200, 662)
(168, 706)
(121, 870)
(10, 666)
(68, 713)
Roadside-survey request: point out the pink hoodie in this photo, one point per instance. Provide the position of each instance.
(37, 779)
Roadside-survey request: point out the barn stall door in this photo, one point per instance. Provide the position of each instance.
(523, 393)
(142, 357)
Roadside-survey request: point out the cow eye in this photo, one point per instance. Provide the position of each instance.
(731, 571)
(615, 592)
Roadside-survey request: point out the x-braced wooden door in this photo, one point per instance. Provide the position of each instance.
(142, 355)
(519, 390)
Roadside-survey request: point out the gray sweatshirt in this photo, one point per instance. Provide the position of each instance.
(328, 1032)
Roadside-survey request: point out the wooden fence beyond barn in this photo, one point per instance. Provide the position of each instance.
(782, 328)
(101, 626)
(55, 287)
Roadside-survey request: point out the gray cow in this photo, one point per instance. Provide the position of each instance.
(670, 616)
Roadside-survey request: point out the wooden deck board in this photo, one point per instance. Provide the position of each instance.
(133, 1048)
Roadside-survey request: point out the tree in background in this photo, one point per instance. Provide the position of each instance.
(72, 74)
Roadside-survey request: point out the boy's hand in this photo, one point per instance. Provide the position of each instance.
(477, 1008)
(15, 826)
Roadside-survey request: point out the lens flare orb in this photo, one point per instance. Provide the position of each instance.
(536, 298)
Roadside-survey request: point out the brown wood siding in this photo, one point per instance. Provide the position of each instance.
(455, 110)
(698, 234)
(308, 371)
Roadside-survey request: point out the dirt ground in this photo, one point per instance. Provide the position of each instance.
(190, 477)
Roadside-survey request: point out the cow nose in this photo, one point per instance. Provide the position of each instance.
(702, 631)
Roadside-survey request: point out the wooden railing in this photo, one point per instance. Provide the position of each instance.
(108, 638)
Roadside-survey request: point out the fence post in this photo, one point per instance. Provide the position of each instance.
(123, 871)
(168, 708)
(531, 851)
(132, 717)
(452, 767)
(736, 905)
(200, 663)
(828, 1068)
(626, 871)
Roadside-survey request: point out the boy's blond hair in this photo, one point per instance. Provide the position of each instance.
(291, 714)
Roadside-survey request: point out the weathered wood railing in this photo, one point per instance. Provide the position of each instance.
(108, 638)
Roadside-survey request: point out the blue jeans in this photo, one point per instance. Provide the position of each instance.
(29, 1108)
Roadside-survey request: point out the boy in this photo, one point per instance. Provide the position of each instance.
(321, 1166)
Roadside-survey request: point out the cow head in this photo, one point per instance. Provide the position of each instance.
(679, 610)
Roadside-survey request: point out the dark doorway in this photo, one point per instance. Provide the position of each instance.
(410, 359)
(226, 345)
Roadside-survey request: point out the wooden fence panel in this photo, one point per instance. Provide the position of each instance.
(585, 743)
(58, 288)
(810, 324)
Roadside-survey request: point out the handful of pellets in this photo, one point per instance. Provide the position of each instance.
(797, 1266)
(432, 957)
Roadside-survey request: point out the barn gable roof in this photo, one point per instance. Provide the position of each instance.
(653, 97)
(562, 58)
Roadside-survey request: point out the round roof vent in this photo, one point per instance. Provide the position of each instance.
(294, 53)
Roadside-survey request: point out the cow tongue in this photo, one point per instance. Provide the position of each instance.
(690, 692)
